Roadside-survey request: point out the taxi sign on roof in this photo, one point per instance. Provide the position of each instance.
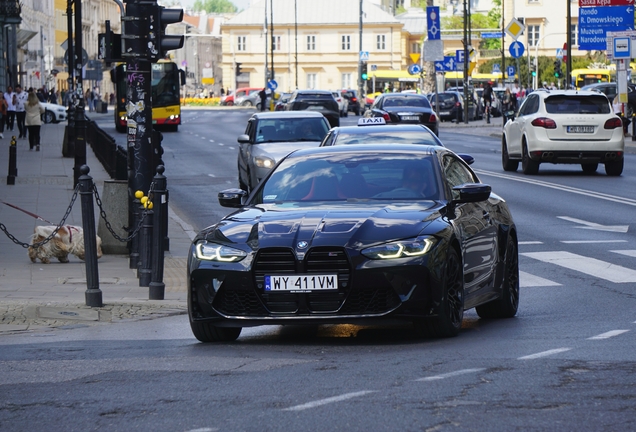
(370, 121)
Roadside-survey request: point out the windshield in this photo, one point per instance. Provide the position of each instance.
(421, 102)
(341, 177)
(165, 84)
(291, 130)
(389, 136)
(561, 104)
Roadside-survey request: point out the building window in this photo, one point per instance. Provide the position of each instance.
(346, 42)
(380, 42)
(241, 43)
(415, 48)
(311, 43)
(533, 1)
(312, 81)
(574, 34)
(533, 35)
(276, 43)
(346, 80)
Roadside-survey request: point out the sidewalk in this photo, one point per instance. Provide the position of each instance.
(37, 296)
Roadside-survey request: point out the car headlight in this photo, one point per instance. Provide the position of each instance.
(264, 162)
(400, 249)
(216, 252)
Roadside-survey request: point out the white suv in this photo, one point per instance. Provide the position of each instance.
(569, 126)
(343, 103)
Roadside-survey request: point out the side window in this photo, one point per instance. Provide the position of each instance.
(526, 107)
(456, 174)
(329, 139)
(249, 129)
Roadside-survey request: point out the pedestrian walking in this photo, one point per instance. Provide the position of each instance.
(9, 97)
(34, 111)
(263, 95)
(3, 115)
(508, 106)
(488, 100)
(20, 110)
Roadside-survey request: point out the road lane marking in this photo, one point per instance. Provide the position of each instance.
(534, 181)
(450, 374)
(530, 242)
(592, 241)
(544, 354)
(608, 334)
(626, 252)
(595, 226)
(211, 140)
(326, 401)
(530, 280)
(590, 266)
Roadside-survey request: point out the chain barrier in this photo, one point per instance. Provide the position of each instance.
(109, 227)
(102, 213)
(53, 234)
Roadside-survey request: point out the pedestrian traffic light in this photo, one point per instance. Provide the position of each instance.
(557, 69)
(363, 72)
(238, 69)
(158, 20)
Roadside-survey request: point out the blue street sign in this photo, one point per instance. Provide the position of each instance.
(439, 66)
(364, 56)
(511, 71)
(272, 85)
(414, 69)
(496, 68)
(594, 38)
(450, 63)
(459, 56)
(433, 26)
(622, 48)
(491, 35)
(516, 49)
(606, 16)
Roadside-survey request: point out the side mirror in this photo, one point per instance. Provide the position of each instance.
(232, 198)
(243, 139)
(471, 192)
(466, 158)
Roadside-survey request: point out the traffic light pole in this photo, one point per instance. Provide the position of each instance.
(80, 116)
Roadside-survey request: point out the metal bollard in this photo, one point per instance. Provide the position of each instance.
(93, 293)
(13, 161)
(145, 249)
(157, 287)
(135, 214)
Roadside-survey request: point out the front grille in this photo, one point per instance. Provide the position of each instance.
(373, 300)
(238, 303)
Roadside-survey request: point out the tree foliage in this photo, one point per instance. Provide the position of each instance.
(214, 6)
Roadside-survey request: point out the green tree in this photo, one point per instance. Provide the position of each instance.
(214, 6)
(477, 21)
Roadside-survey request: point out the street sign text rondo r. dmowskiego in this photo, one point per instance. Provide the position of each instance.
(584, 3)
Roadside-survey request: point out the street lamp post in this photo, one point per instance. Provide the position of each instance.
(535, 79)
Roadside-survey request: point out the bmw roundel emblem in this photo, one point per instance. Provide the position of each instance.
(302, 245)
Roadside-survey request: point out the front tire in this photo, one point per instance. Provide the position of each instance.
(506, 162)
(49, 117)
(206, 332)
(507, 305)
(451, 311)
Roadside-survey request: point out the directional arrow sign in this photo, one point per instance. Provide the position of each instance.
(595, 226)
(516, 49)
(606, 16)
(449, 63)
(439, 66)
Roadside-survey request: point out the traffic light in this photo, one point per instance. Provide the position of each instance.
(363, 72)
(238, 69)
(109, 45)
(158, 20)
(557, 69)
(533, 69)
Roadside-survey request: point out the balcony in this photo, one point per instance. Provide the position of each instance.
(10, 11)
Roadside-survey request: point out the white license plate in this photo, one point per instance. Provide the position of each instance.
(444, 113)
(580, 129)
(301, 283)
(410, 117)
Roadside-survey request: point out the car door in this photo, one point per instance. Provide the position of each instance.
(475, 229)
(245, 151)
(514, 127)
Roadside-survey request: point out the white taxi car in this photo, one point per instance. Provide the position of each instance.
(564, 126)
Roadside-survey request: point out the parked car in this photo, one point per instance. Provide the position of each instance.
(404, 108)
(282, 100)
(610, 90)
(321, 101)
(451, 107)
(53, 113)
(230, 99)
(343, 103)
(254, 99)
(564, 126)
(356, 234)
(271, 135)
(473, 99)
(354, 100)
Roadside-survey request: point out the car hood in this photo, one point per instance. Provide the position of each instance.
(345, 225)
(277, 150)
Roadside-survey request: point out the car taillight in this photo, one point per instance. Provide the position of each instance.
(457, 104)
(354, 100)
(387, 117)
(614, 123)
(432, 118)
(544, 122)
